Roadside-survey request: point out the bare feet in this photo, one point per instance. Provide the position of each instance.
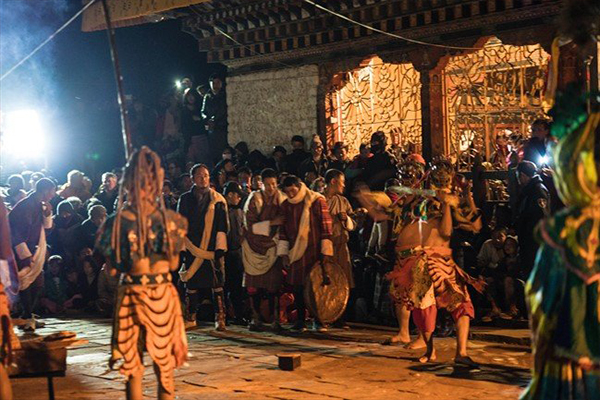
(418, 343)
(428, 357)
(398, 339)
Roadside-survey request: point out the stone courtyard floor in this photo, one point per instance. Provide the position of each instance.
(336, 365)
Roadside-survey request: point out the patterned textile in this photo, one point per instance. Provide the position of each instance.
(320, 229)
(427, 276)
(196, 210)
(259, 208)
(156, 247)
(563, 299)
(149, 318)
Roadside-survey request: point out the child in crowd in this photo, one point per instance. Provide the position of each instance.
(55, 293)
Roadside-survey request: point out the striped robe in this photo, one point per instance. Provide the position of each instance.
(319, 238)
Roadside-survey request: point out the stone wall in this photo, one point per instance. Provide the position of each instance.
(267, 108)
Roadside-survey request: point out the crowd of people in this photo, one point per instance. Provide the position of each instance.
(257, 225)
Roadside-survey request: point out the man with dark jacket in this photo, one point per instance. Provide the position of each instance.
(298, 154)
(532, 206)
(381, 166)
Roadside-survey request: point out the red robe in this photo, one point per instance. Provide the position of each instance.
(319, 238)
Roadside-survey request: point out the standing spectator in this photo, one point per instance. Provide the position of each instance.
(532, 206)
(535, 150)
(297, 156)
(203, 271)
(87, 231)
(317, 162)
(214, 112)
(195, 137)
(263, 271)
(108, 191)
(277, 160)
(305, 238)
(16, 190)
(340, 157)
(381, 166)
(341, 215)
(28, 222)
(75, 187)
(234, 270)
(359, 163)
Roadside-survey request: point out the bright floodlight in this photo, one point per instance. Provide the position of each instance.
(23, 136)
(178, 84)
(544, 160)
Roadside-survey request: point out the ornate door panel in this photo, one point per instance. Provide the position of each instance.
(492, 95)
(377, 97)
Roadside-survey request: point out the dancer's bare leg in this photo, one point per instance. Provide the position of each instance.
(403, 316)
(430, 352)
(133, 387)
(5, 388)
(462, 337)
(162, 394)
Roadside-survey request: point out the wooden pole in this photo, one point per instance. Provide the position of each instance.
(120, 93)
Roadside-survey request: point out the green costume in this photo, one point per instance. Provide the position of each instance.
(563, 289)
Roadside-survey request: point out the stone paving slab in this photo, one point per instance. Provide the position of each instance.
(339, 365)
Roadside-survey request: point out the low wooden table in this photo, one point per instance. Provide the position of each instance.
(40, 359)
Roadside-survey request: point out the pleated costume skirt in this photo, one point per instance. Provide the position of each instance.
(149, 318)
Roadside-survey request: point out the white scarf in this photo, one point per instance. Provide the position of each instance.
(309, 197)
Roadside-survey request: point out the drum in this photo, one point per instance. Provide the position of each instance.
(326, 292)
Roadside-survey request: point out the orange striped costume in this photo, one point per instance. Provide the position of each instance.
(148, 311)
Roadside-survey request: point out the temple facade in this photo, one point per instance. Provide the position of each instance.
(294, 68)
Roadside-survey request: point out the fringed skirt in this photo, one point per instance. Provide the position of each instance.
(148, 317)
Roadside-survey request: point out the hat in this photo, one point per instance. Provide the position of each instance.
(232, 187)
(527, 167)
(416, 158)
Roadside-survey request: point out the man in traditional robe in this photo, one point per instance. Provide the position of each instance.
(263, 270)
(29, 221)
(305, 238)
(203, 269)
(341, 215)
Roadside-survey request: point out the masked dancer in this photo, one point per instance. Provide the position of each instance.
(142, 241)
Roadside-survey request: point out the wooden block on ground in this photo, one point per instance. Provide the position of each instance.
(289, 361)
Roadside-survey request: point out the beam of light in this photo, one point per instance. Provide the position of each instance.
(23, 136)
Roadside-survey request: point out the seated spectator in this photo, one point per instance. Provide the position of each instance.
(107, 291)
(227, 155)
(245, 179)
(74, 291)
(168, 196)
(256, 182)
(62, 238)
(256, 161)
(55, 282)
(173, 172)
(231, 177)
(78, 206)
(510, 269)
(277, 160)
(310, 177)
(86, 232)
(75, 186)
(489, 257)
(88, 282)
(16, 190)
(108, 191)
(241, 153)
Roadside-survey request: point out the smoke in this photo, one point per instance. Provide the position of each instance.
(24, 24)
